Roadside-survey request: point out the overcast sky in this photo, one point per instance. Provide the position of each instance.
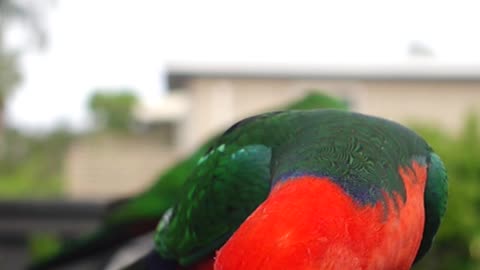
(113, 43)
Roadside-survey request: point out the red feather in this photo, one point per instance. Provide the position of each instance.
(311, 223)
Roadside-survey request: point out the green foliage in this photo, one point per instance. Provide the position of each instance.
(316, 100)
(457, 245)
(9, 75)
(42, 245)
(32, 166)
(113, 110)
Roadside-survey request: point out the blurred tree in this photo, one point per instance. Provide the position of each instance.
(457, 244)
(113, 109)
(33, 166)
(316, 99)
(14, 10)
(9, 77)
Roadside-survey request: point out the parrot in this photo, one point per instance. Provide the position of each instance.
(313, 189)
(128, 218)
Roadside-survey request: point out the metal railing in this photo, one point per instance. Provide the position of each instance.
(19, 220)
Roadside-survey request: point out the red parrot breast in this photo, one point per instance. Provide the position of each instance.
(310, 222)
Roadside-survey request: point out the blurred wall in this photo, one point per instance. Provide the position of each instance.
(108, 166)
(217, 103)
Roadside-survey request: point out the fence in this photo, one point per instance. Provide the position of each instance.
(19, 220)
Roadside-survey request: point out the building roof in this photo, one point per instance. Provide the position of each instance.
(178, 73)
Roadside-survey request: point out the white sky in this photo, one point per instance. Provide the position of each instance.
(109, 43)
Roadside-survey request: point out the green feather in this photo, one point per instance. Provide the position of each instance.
(240, 181)
(436, 193)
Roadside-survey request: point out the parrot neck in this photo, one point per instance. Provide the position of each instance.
(310, 222)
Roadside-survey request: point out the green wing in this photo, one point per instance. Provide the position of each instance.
(435, 200)
(228, 183)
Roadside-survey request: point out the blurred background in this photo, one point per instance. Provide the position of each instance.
(97, 98)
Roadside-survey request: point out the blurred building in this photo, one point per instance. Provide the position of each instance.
(105, 166)
(220, 95)
(204, 99)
